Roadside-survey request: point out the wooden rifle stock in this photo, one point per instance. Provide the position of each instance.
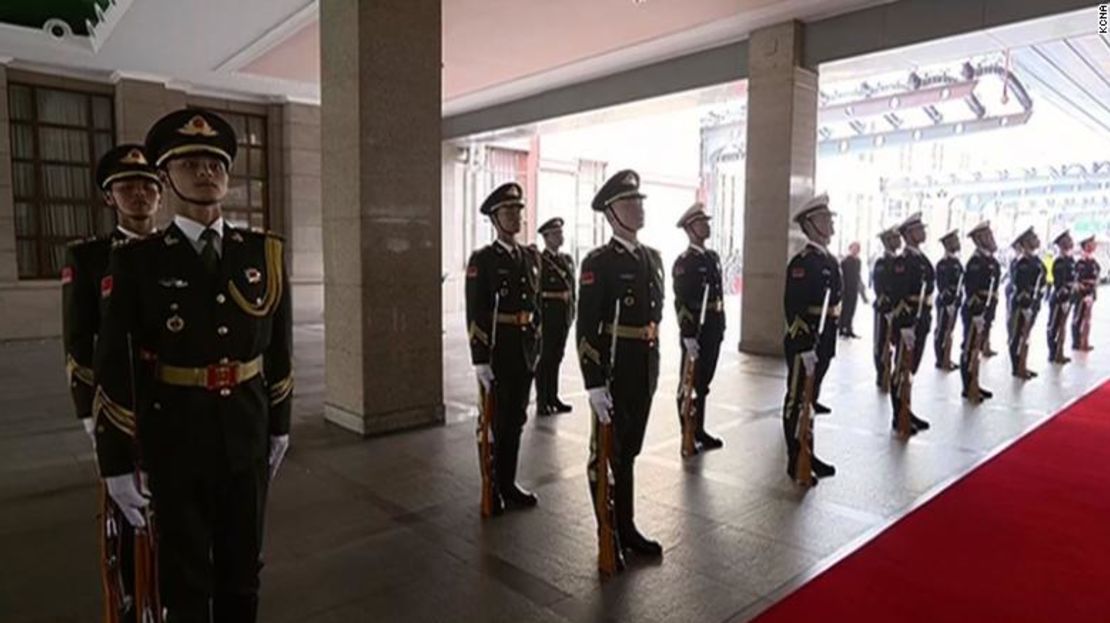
(148, 603)
(1027, 326)
(116, 600)
(803, 465)
(608, 548)
(688, 408)
(486, 412)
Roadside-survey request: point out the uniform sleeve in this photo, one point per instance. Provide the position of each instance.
(80, 323)
(593, 314)
(880, 279)
(1025, 278)
(904, 285)
(479, 310)
(803, 283)
(688, 283)
(114, 366)
(278, 357)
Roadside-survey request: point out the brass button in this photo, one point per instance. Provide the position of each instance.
(223, 360)
(157, 406)
(221, 330)
(173, 306)
(220, 298)
(225, 392)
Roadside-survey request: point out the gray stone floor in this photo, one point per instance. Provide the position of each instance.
(387, 529)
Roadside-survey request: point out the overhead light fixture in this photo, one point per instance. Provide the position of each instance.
(894, 101)
(959, 128)
(879, 140)
(917, 135)
(945, 93)
(843, 147)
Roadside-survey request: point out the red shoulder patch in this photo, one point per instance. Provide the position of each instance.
(67, 274)
(798, 272)
(679, 270)
(587, 278)
(471, 271)
(106, 287)
(899, 268)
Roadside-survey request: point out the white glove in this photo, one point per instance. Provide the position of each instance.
(485, 375)
(951, 310)
(809, 361)
(279, 444)
(979, 322)
(126, 495)
(889, 317)
(908, 338)
(602, 402)
(1027, 313)
(90, 429)
(692, 348)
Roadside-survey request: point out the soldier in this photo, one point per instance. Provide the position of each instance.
(503, 315)
(1026, 279)
(131, 186)
(1086, 278)
(194, 364)
(980, 298)
(884, 304)
(1063, 296)
(811, 274)
(949, 273)
(627, 276)
(912, 282)
(697, 276)
(557, 281)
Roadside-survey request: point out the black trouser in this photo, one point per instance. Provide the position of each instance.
(1081, 318)
(793, 402)
(946, 327)
(555, 329)
(881, 345)
(512, 384)
(848, 312)
(921, 335)
(1059, 308)
(971, 342)
(1018, 331)
(709, 350)
(632, 389)
(209, 524)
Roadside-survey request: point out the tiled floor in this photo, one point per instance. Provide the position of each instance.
(387, 529)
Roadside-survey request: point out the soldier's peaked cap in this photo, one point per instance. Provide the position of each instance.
(913, 221)
(819, 203)
(508, 195)
(952, 236)
(983, 226)
(624, 184)
(888, 233)
(694, 213)
(1087, 240)
(122, 162)
(190, 132)
(1059, 239)
(1023, 236)
(551, 225)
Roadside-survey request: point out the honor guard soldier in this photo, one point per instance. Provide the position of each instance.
(1026, 278)
(503, 315)
(950, 273)
(1063, 297)
(884, 306)
(809, 348)
(912, 283)
(980, 299)
(130, 185)
(194, 364)
(1086, 287)
(557, 282)
(697, 279)
(621, 302)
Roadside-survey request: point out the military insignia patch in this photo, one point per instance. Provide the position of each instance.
(681, 270)
(134, 157)
(629, 301)
(175, 323)
(587, 278)
(471, 272)
(798, 273)
(197, 126)
(67, 274)
(253, 275)
(630, 180)
(513, 192)
(898, 268)
(106, 287)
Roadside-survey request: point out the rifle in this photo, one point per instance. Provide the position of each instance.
(117, 603)
(1023, 350)
(976, 345)
(485, 424)
(803, 466)
(905, 368)
(951, 328)
(886, 353)
(608, 550)
(147, 599)
(687, 409)
(1061, 326)
(1085, 324)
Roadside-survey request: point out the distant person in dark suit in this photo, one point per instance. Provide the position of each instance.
(850, 274)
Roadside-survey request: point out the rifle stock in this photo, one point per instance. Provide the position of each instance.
(148, 603)
(803, 465)
(607, 551)
(116, 601)
(689, 448)
(485, 448)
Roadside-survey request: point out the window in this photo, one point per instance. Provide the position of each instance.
(248, 185)
(57, 137)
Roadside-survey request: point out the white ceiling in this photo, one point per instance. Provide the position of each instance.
(494, 50)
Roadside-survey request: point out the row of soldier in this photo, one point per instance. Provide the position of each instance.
(178, 351)
(521, 303)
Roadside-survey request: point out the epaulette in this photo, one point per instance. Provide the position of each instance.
(264, 232)
(81, 241)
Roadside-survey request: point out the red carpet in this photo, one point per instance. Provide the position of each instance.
(1025, 537)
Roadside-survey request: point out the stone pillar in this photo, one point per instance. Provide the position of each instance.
(138, 104)
(302, 208)
(380, 88)
(9, 269)
(781, 163)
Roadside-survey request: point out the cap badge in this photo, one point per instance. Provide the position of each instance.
(197, 126)
(134, 157)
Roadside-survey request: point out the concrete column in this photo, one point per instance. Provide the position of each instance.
(139, 103)
(9, 269)
(781, 163)
(303, 208)
(380, 87)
